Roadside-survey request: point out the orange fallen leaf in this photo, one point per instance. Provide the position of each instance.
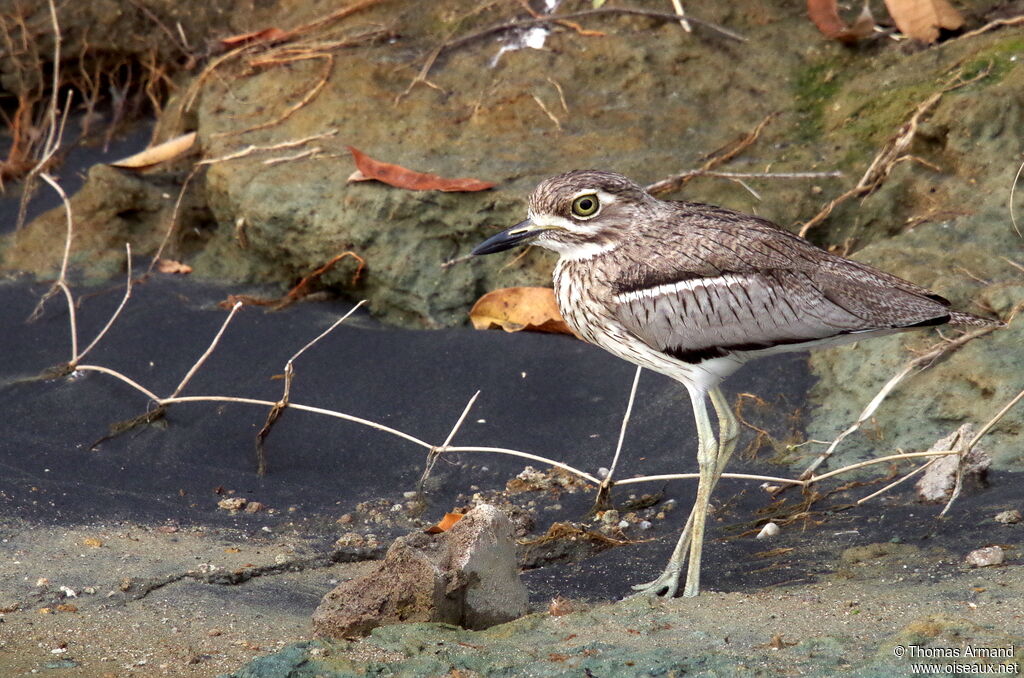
(368, 169)
(171, 266)
(519, 308)
(266, 35)
(444, 524)
(168, 150)
(922, 19)
(825, 15)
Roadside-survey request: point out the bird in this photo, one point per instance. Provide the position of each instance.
(694, 291)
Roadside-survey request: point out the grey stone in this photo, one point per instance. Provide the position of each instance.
(482, 549)
(467, 575)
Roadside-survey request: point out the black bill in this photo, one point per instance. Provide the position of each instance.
(509, 238)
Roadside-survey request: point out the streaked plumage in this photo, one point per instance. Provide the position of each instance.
(694, 291)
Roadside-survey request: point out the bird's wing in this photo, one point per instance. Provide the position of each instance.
(731, 284)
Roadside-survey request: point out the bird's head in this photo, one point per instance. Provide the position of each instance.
(577, 214)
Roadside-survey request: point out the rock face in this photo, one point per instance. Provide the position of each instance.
(466, 576)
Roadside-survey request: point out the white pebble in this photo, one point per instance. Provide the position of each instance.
(768, 531)
(990, 555)
(645, 524)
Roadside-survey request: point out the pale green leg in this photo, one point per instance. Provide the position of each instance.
(715, 456)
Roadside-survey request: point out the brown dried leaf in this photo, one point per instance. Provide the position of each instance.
(444, 524)
(400, 177)
(172, 266)
(519, 308)
(168, 150)
(922, 19)
(825, 15)
(266, 35)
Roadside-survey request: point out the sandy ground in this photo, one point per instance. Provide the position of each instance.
(143, 604)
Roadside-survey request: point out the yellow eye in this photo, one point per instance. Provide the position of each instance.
(585, 205)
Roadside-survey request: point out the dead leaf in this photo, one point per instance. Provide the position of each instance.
(172, 266)
(266, 35)
(825, 15)
(369, 169)
(168, 150)
(922, 19)
(519, 308)
(444, 524)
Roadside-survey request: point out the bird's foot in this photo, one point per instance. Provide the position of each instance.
(666, 586)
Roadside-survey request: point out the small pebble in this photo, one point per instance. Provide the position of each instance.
(984, 557)
(232, 503)
(602, 472)
(1009, 517)
(610, 517)
(645, 524)
(768, 531)
(623, 524)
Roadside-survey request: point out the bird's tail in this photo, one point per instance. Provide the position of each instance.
(971, 320)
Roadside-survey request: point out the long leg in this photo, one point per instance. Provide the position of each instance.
(707, 466)
(728, 432)
(693, 534)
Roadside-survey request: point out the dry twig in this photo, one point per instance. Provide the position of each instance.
(923, 361)
(894, 151)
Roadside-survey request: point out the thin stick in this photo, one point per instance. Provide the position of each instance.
(279, 407)
(893, 484)
(435, 452)
(625, 424)
(1011, 21)
(171, 227)
(45, 176)
(209, 350)
(291, 110)
(878, 460)
(994, 420)
(458, 424)
(893, 150)
(117, 375)
(551, 116)
(678, 6)
(250, 149)
(694, 476)
(297, 406)
(325, 332)
(923, 361)
(527, 455)
(1013, 189)
(671, 182)
(63, 286)
(117, 312)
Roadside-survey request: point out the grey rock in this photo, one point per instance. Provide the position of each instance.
(482, 549)
(939, 480)
(467, 575)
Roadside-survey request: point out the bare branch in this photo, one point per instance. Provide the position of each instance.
(117, 312)
(206, 354)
